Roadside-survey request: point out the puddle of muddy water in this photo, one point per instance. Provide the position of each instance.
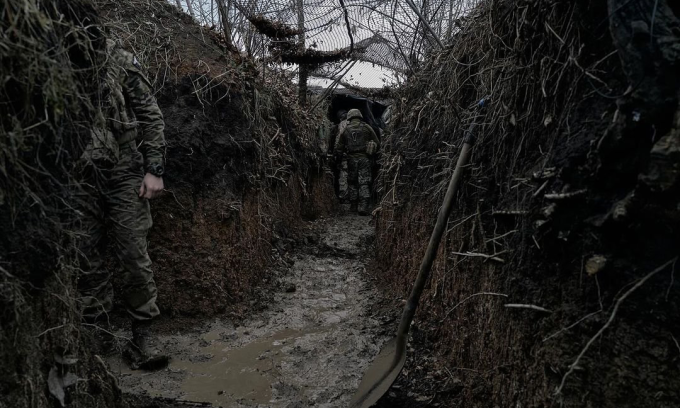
(225, 375)
(230, 375)
(309, 349)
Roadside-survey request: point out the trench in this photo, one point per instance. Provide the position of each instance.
(310, 347)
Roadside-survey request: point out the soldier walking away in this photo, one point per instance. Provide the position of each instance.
(342, 163)
(358, 142)
(119, 178)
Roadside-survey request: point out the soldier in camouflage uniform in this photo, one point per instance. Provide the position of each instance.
(358, 142)
(120, 177)
(342, 163)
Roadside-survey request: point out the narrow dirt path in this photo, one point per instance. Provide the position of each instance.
(309, 348)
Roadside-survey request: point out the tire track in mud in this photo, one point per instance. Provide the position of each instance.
(309, 348)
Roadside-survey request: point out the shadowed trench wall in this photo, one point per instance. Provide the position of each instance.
(243, 170)
(571, 198)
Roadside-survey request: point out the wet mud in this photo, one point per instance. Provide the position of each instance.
(309, 348)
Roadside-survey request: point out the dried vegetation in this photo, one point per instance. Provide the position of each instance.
(50, 67)
(242, 168)
(563, 208)
(241, 158)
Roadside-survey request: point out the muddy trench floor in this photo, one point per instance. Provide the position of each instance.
(309, 347)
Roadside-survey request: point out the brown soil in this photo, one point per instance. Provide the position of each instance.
(563, 208)
(308, 345)
(242, 165)
(539, 137)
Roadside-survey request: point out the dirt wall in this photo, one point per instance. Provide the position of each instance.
(50, 73)
(554, 211)
(237, 166)
(241, 159)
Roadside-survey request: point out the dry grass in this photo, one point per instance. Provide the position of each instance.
(523, 221)
(51, 61)
(52, 55)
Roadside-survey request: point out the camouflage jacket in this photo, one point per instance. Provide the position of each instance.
(355, 137)
(132, 110)
(340, 127)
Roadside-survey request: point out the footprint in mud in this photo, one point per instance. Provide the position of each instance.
(309, 348)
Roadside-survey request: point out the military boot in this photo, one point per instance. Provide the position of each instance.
(144, 351)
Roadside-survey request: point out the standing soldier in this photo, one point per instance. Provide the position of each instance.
(120, 177)
(359, 142)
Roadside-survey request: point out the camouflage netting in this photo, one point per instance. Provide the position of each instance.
(571, 198)
(325, 29)
(386, 33)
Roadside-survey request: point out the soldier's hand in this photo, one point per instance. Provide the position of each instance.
(151, 187)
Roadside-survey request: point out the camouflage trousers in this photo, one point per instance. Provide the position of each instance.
(342, 182)
(113, 214)
(359, 182)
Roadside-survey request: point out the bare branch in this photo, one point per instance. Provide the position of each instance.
(610, 320)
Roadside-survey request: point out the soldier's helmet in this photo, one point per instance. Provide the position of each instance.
(341, 115)
(354, 113)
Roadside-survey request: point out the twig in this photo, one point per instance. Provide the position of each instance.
(106, 331)
(183, 402)
(565, 196)
(7, 274)
(510, 212)
(425, 23)
(500, 236)
(670, 285)
(468, 298)
(610, 320)
(175, 197)
(524, 306)
(676, 342)
(493, 257)
(52, 329)
(553, 31)
(112, 378)
(572, 325)
(599, 293)
(537, 192)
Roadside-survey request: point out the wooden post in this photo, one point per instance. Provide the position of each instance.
(303, 71)
(224, 18)
(191, 9)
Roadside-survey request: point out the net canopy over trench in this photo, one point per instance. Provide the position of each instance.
(328, 35)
